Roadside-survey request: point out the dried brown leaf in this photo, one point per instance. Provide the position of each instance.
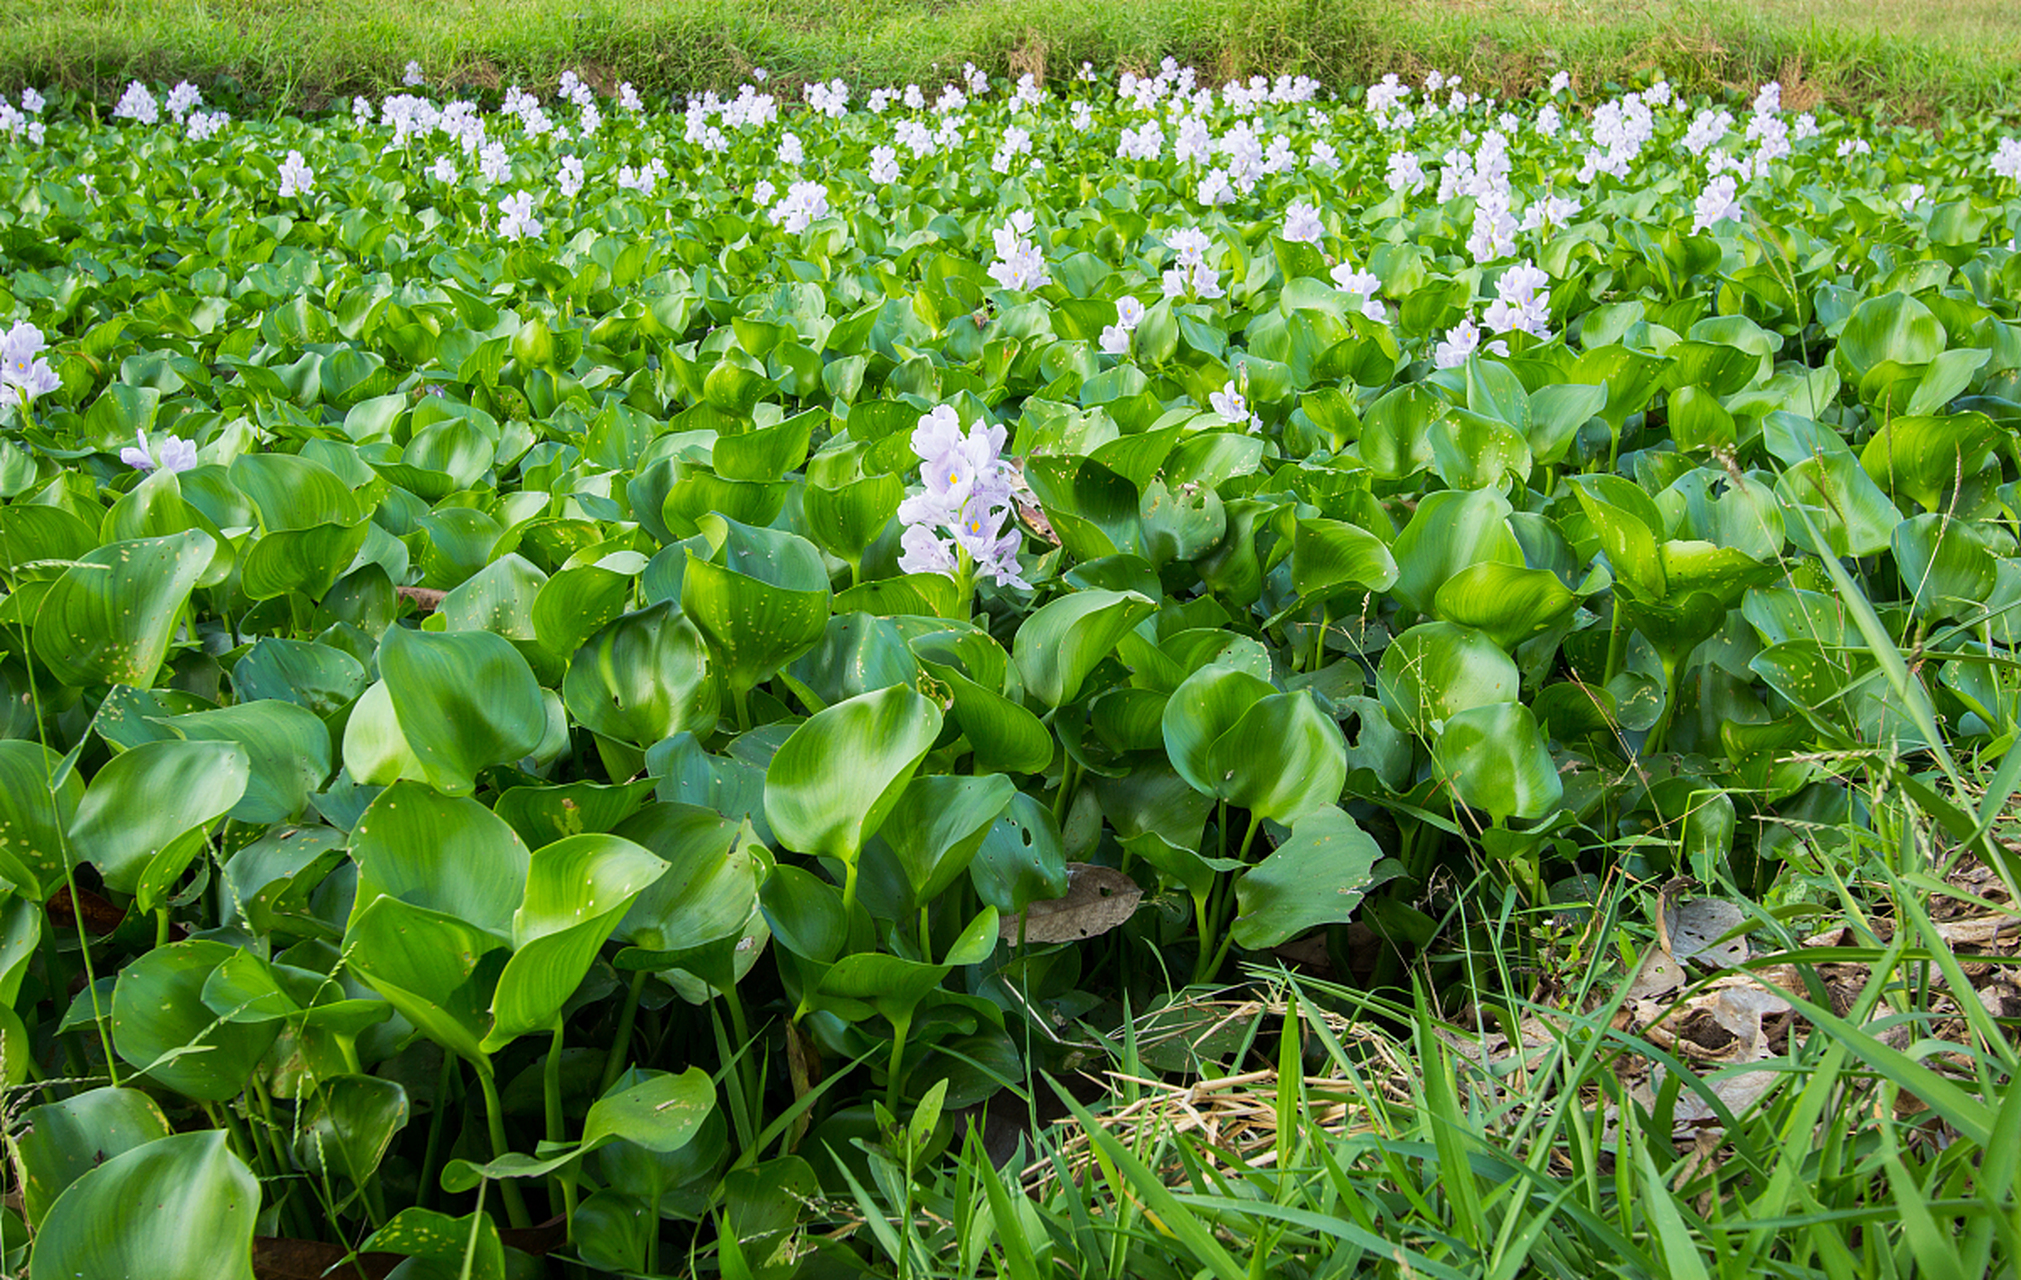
(1097, 900)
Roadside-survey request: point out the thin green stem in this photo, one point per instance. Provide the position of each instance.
(161, 926)
(431, 1154)
(1617, 642)
(895, 1075)
(619, 1054)
(557, 1131)
(494, 1120)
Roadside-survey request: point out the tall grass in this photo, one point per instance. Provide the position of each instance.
(1876, 1150)
(1895, 57)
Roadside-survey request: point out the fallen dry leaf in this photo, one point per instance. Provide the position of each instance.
(1097, 900)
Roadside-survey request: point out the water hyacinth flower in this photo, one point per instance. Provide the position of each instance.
(569, 180)
(1522, 302)
(23, 371)
(960, 524)
(411, 77)
(1020, 264)
(1302, 224)
(1350, 279)
(204, 125)
(1461, 341)
(1406, 173)
(515, 216)
(2006, 161)
(1717, 203)
(182, 99)
(1231, 404)
(1115, 339)
(883, 165)
(177, 454)
(137, 104)
(297, 178)
(803, 204)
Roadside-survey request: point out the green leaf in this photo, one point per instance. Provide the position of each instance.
(153, 803)
(1507, 601)
(761, 600)
(661, 1113)
(432, 967)
(573, 604)
(846, 519)
(443, 853)
(346, 1127)
(1004, 735)
(643, 678)
(694, 916)
(468, 1248)
(1059, 645)
(577, 889)
(1495, 758)
(60, 1142)
(178, 1208)
(1200, 713)
(1316, 877)
(35, 812)
(1021, 860)
(161, 1024)
(836, 778)
(1283, 758)
(1451, 530)
(1327, 554)
(110, 617)
(287, 751)
(938, 824)
(464, 700)
(1436, 670)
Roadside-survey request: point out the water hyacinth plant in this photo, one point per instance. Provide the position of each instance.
(634, 682)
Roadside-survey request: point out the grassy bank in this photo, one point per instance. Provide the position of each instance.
(1896, 57)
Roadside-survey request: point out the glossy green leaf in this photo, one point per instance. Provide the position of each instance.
(61, 1141)
(1436, 670)
(1317, 877)
(443, 853)
(1495, 759)
(642, 678)
(160, 1023)
(1508, 602)
(35, 812)
(760, 601)
(836, 778)
(110, 617)
(346, 1128)
(464, 700)
(1450, 531)
(1060, 644)
(151, 804)
(178, 1208)
(577, 889)
(287, 752)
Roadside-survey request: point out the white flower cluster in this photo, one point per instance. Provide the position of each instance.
(802, 205)
(1191, 272)
(19, 124)
(297, 178)
(1020, 264)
